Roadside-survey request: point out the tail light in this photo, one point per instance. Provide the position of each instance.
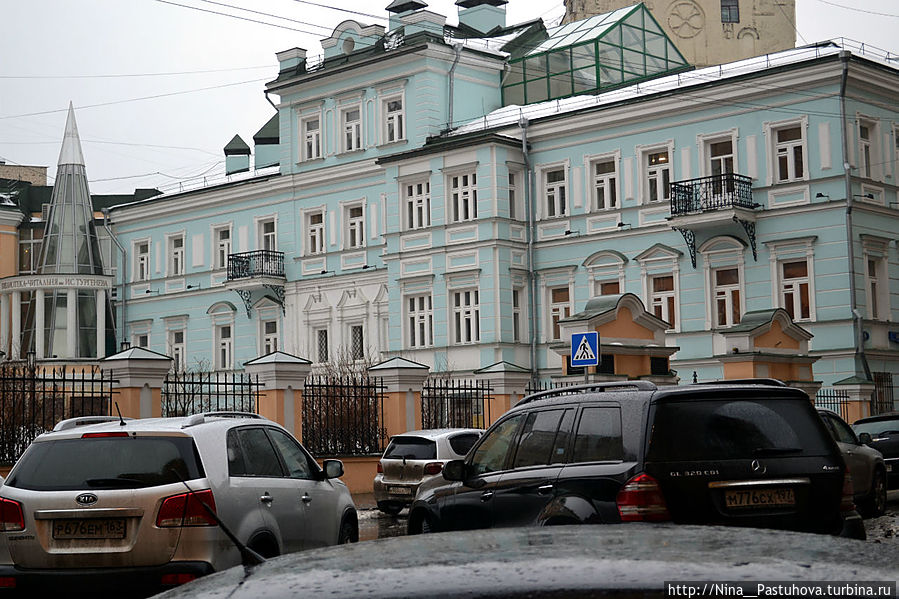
(846, 502)
(380, 468)
(177, 579)
(433, 467)
(187, 510)
(641, 500)
(103, 435)
(11, 516)
(7, 582)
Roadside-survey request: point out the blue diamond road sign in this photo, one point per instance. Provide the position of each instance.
(585, 349)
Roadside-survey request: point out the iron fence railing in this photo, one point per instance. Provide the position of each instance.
(258, 263)
(447, 403)
(835, 400)
(728, 190)
(185, 393)
(34, 399)
(343, 416)
(883, 399)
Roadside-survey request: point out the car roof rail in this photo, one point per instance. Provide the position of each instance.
(749, 381)
(590, 388)
(232, 414)
(70, 423)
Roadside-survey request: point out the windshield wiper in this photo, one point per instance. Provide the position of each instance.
(772, 451)
(125, 483)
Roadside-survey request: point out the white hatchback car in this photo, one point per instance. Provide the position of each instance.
(415, 457)
(124, 502)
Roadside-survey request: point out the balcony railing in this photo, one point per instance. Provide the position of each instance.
(259, 263)
(717, 192)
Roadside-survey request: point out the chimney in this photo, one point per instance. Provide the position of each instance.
(400, 8)
(482, 15)
(423, 21)
(290, 60)
(237, 156)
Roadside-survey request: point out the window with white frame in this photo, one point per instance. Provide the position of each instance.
(663, 298)
(176, 255)
(394, 120)
(466, 316)
(608, 287)
(321, 345)
(267, 235)
(224, 347)
(222, 238)
(177, 349)
(867, 147)
(727, 297)
(351, 123)
(721, 157)
(315, 232)
(658, 175)
(463, 190)
(417, 198)
(789, 153)
(141, 340)
(355, 226)
(876, 287)
(516, 314)
(795, 289)
(142, 261)
(559, 308)
(269, 336)
(357, 342)
(513, 195)
(420, 319)
(555, 192)
(605, 183)
(30, 250)
(312, 138)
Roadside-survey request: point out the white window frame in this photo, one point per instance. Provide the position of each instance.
(515, 179)
(177, 349)
(555, 198)
(354, 226)
(462, 196)
(705, 143)
(518, 296)
(393, 118)
(321, 350)
(466, 308)
(416, 196)
(661, 262)
(141, 260)
(175, 263)
(784, 251)
(269, 340)
(221, 249)
(664, 304)
(609, 182)
(350, 131)
(314, 236)
(224, 346)
(556, 311)
(720, 253)
(356, 352)
(774, 149)
(656, 173)
(314, 136)
(878, 302)
(267, 240)
(870, 164)
(605, 267)
(725, 293)
(418, 312)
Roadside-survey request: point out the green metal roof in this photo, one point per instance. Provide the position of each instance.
(270, 132)
(237, 146)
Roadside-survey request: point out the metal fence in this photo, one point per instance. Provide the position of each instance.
(33, 400)
(835, 400)
(185, 393)
(883, 399)
(343, 416)
(449, 403)
(728, 190)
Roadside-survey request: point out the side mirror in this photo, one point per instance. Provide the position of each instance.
(333, 468)
(864, 438)
(454, 470)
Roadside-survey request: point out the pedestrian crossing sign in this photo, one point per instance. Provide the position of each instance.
(585, 349)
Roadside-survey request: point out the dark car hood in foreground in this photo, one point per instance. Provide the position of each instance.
(570, 561)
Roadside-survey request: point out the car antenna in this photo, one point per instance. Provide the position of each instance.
(248, 558)
(121, 420)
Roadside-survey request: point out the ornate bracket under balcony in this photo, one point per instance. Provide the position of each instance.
(278, 290)
(252, 271)
(247, 296)
(749, 227)
(690, 238)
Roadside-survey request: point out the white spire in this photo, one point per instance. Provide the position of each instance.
(71, 144)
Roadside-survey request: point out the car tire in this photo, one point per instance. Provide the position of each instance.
(265, 545)
(391, 509)
(348, 532)
(875, 503)
(426, 525)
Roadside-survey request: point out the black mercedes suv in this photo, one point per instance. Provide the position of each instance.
(742, 453)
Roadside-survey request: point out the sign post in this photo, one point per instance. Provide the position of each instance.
(585, 351)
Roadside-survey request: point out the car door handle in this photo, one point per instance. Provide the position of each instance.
(544, 490)
(306, 498)
(486, 495)
(266, 498)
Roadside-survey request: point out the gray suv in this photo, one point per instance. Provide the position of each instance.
(124, 502)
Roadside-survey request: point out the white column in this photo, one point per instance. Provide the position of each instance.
(4, 323)
(15, 340)
(71, 324)
(39, 332)
(101, 323)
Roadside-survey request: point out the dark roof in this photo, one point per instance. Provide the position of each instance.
(31, 198)
(473, 3)
(237, 146)
(398, 6)
(434, 145)
(270, 132)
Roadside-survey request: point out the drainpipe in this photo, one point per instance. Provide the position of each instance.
(532, 276)
(858, 329)
(457, 48)
(270, 101)
(121, 271)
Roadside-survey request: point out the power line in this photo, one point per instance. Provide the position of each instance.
(215, 12)
(124, 75)
(346, 10)
(852, 8)
(792, 24)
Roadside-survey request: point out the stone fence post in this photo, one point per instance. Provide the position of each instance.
(281, 398)
(509, 384)
(140, 374)
(403, 380)
(859, 403)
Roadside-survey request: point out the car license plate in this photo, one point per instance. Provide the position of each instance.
(755, 498)
(93, 528)
(889, 467)
(400, 490)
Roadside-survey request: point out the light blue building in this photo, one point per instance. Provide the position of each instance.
(449, 193)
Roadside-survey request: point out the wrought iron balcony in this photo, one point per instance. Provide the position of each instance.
(728, 190)
(258, 263)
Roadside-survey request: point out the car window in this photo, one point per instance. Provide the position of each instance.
(411, 448)
(294, 457)
(462, 443)
(876, 428)
(598, 437)
(236, 465)
(490, 455)
(563, 437)
(842, 431)
(535, 445)
(259, 456)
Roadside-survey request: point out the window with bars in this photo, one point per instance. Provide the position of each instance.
(559, 308)
(321, 345)
(417, 197)
(357, 342)
(605, 188)
(420, 315)
(463, 197)
(466, 316)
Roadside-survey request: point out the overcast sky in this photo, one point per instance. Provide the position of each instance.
(159, 89)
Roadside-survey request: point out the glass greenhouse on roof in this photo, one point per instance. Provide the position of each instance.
(605, 51)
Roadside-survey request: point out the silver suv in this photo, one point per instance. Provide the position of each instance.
(124, 502)
(415, 457)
